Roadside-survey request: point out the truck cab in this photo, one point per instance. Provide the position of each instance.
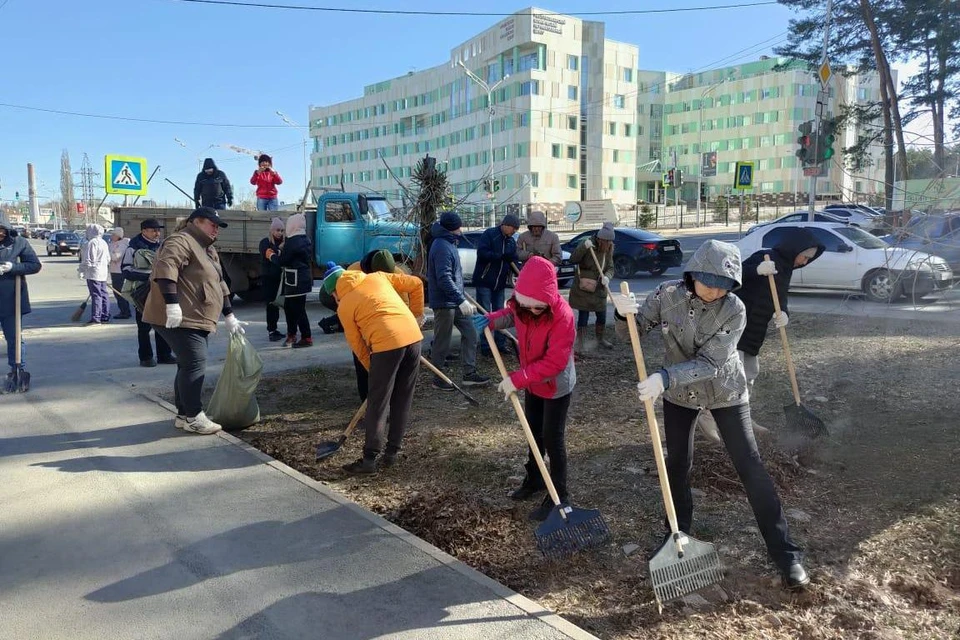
(349, 225)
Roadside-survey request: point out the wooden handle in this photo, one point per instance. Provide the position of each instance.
(18, 339)
(356, 419)
(652, 422)
(503, 331)
(599, 272)
(531, 441)
(783, 338)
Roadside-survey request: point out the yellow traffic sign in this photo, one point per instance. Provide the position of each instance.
(743, 175)
(824, 73)
(125, 175)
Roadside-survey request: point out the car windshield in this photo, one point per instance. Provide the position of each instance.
(861, 238)
(68, 237)
(927, 227)
(379, 209)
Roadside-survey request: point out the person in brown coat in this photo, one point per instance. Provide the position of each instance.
(537, 240)
(589, 291)
(187, 296)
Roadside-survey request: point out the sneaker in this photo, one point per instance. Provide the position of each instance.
(528, 489)
(543, 511)
(474, 379)
(148, 363)
(171, 359)
(92, 323)
(180, 421)
(275, 336)
(796, 578)
(201, 424)
(442, 385)
(361, 467)
(291, 340)
(304, 343)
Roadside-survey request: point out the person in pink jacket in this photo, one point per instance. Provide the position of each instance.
(546, 331)
(265, 179)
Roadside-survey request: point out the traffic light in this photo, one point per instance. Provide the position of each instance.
(805, 144)
(828, 135)
(17, 195)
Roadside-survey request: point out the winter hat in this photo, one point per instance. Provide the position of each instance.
(714, 280)
(606, 232)
(264, 158)
(330, 279)
(383, 261)
(118, 232)
(511, 220)
(277, 224)
(450, 221)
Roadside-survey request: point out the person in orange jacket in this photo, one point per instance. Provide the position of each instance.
(384, 334)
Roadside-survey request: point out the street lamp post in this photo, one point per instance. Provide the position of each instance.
(306, 164)
(491, 111)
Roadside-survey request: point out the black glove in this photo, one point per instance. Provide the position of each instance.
(229, 203)
(197, 204)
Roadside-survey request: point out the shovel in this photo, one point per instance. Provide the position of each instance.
(566, 530)
(327, 449)
(799, 418)
(19, 380)
(682, 565)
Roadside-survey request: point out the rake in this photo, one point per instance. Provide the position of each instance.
(327, 449)
(799, 418)
(683, 564)
(566, 530)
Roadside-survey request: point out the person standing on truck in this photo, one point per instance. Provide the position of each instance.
(496, 255)
(212, 188)
(271, 275)
(449, 303)
(118, 246)
(265, 179)
(538, 241)
(297, 280)
(146, 244)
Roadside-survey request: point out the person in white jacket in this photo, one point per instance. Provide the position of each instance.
(95, 269)
(118, 246)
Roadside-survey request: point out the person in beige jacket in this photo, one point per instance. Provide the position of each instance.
(538, 241)
(187, 296)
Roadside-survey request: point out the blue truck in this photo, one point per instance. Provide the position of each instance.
(343, 227)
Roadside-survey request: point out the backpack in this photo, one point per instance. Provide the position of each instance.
(134, 290)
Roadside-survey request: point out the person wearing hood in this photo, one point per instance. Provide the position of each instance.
(17, 258)
(265, 179)
(449, 302)
(145, 245)
(295, 260)
(212, 188)
(537, 240)
(496, 255)
(384, 334)
(95, 269)
(589, 291)
(187, 296)
(118, 247)
(545, 332)
(271, 275)
(701, 325)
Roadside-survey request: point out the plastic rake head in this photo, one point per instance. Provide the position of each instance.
(674, 576)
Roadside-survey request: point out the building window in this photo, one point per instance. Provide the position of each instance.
(555, 151)
(628, 184)
(616, 155)
(534, 179)
(572, 92)
(571, 181)
(531, 87)
(619, 101)
(612, 128)
(523, 120)
(529, 61)
(628, 130)
(572, 123)
(611, 182)
(571, 152)
(573, 63)
(628, 75)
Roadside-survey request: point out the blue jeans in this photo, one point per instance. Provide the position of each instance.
(268, 204)
(583, 318)
(9, 324)
(491, 300)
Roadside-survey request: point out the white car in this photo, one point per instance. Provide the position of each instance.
(468, 261)
(854, 260)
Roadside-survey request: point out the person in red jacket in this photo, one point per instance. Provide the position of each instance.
(265, 179)
(545, 331)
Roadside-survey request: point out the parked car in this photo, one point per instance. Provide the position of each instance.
(857, 261)
(861, 216)
(468, 260)
(636, 250)
(938, 234)
(63, 242)
(798, 216)
(870, 211)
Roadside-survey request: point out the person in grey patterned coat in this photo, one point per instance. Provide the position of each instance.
(701, 326)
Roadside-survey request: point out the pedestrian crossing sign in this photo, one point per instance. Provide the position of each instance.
(743, 176)
(126, 175)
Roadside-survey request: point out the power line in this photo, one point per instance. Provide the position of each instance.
(145, 120)
(399, 12)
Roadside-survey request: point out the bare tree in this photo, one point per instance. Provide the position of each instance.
(67, 201)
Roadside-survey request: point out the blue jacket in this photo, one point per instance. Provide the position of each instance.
(137, 242)
(444, 273)
(25, 262)
(495, 252)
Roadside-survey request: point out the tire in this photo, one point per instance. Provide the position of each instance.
(879, 286)
(623, 267)
(49, 253)
(658, 272)
(59, 253)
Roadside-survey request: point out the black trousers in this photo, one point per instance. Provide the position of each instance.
(145, 350)
(363, 378)
(393, 377)
(295, 310)
(736, 429)
(548, 422)
(190, 345)
(270, 287)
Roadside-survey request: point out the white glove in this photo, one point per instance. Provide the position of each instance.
(587, 244)
(234, 325)
(506, 388)
(780, 320)
(625, 305)
(605, 281)
(5, 267)
(767, 268)
(467, 309)
(421, 320)
(651, 388)
(174, 316)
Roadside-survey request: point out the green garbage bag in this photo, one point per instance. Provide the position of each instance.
(234, 402)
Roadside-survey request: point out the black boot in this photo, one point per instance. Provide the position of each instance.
(795, 578)
(361, 467)
(531, 486)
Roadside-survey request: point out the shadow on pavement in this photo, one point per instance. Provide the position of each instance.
(128, 435)
(216, 458)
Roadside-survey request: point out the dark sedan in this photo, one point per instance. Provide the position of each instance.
(63, 242)
(636, 250)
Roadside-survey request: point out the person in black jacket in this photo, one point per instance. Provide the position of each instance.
(17, 258)
(796, 248)
(496, 252)
(295, 259)
(212, 188)
(271, 274)
(147, 241)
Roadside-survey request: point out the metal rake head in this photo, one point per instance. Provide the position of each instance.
(563, 534)
(802, 420)
(674, 576)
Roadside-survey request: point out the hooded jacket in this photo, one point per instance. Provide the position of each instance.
(17, 251)
(212, 190)
(546, 246)
(266, 183)
(444, 272)
(95, 255)
(495, 253)
(295, 258)
(373, 315)
(545, 341)
(701, 365)
(755, 292)
(117, 249)
(596, 300)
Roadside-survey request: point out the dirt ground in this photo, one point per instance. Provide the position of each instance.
(876, 505)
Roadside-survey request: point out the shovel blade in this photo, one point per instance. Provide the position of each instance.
(801, 420)
(327, 449)
(674, 576)
(568, 530)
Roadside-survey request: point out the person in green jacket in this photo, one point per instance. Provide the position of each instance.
(589, 291)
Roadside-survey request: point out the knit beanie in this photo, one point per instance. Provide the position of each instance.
(511, 220)
(383, 261)
(277, 224)
(330, 279)
(606, 232)
(450, 221)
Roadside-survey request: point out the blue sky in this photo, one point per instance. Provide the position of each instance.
(170, 60)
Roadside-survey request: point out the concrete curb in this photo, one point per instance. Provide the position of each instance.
(523, 603)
